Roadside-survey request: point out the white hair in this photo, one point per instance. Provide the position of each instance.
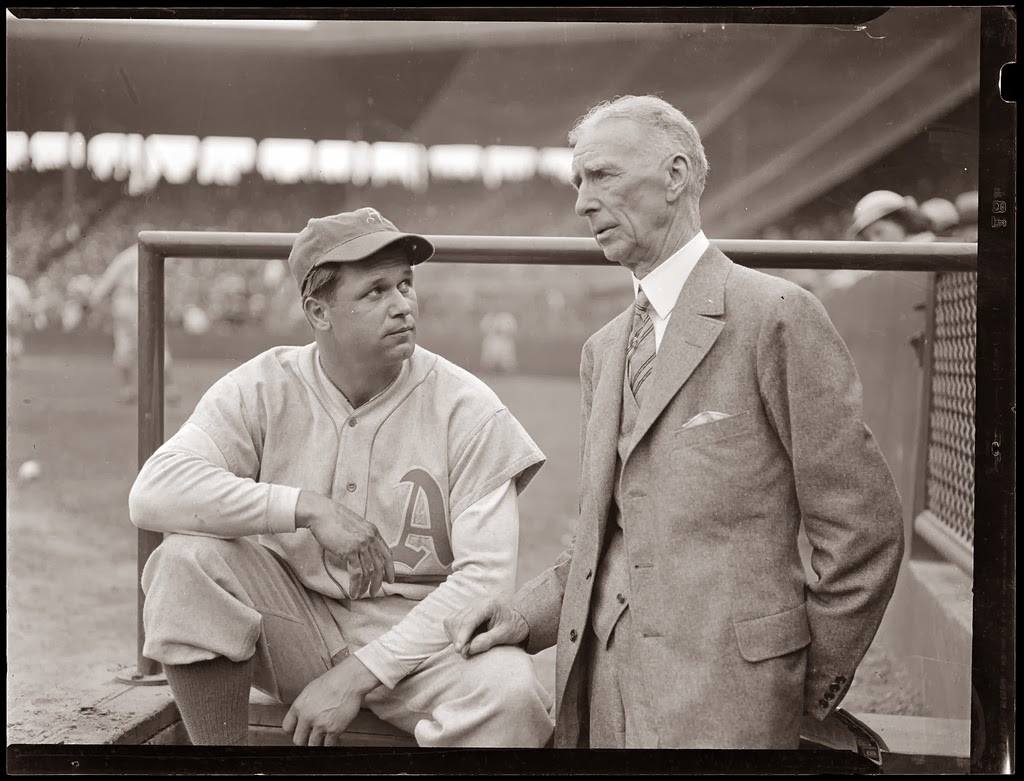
(676, 132)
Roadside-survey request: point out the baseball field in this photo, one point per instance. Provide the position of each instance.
(71, 568)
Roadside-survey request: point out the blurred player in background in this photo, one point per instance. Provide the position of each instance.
(120, 282)
(228, 298)
(46, 303)
(19, 314)
(76, 302)
(498, 349)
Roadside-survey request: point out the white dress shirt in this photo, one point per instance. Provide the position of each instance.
(663, 284)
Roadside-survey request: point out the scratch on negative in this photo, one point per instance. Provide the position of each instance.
(860, 28)
(128, 85)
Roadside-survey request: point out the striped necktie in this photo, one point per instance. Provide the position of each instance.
(640, 354)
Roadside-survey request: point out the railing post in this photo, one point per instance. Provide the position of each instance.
(151, 425)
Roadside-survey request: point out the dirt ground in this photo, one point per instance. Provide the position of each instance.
(71, 568)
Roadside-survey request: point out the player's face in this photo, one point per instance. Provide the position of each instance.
(621, 191)
(373, 315)
(885, 230)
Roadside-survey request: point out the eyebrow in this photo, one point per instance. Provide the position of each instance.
(381, 279)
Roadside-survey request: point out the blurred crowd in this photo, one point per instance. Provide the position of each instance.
(61, 255)
(885, 215)
(58, 255)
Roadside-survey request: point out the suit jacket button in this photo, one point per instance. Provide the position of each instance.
(829, 695)
(621, 598)
(834, 687)
(841, 679)
(823, 703)
(572, 635)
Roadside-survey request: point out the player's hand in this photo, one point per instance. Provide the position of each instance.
(328, 704)
(496, 622)
(352, 540)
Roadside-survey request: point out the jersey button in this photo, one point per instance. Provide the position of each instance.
(621, 598)
(572, 635)
(351, 488)
(352, 422)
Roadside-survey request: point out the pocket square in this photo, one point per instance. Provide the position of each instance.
(705, 417)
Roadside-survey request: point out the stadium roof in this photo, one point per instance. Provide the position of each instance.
(784, 111)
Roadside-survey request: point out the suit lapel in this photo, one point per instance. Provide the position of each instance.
(691, 333)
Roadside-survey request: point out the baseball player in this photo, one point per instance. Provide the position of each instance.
(120, 281)
(329, 505)
(19, 314)
(498, 346)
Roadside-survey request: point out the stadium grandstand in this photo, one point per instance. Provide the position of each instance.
(891, 105)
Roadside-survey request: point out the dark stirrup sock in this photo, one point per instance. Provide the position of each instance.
(213, 699)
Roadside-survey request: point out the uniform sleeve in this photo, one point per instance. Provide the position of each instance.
(498, 450)
(204, 479)
(485, 540)
(848, 499)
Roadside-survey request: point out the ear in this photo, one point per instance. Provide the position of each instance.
(678, 176)
(316, 314)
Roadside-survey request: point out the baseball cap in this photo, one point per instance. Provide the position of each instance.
(876, 205)
(348, 237)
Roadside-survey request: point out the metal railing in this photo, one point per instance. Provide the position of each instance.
(155, 247)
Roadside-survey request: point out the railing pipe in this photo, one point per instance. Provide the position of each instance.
(562, 251)
(151, 407)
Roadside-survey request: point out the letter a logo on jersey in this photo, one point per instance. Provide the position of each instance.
(412, 548)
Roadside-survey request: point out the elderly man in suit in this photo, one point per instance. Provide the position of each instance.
(719, 411)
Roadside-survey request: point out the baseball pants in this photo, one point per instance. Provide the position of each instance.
(208, 597)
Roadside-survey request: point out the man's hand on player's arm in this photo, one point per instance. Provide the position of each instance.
(328, 704)
(500, 625)
(353, 540)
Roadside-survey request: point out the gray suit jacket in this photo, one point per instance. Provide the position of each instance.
(737, 645)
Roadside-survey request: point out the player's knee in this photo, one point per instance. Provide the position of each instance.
(185, 555)
(510, 679)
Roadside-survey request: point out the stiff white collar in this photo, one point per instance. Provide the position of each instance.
(666, 280)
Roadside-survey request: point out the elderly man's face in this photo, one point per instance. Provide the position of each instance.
(622, 185)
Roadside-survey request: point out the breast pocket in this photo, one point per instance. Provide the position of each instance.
(732, 426)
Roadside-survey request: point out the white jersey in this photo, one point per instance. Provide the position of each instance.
(411, 460)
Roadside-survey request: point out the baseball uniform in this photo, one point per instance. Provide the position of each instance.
(435, 461)
(121, 282)
(19, 312)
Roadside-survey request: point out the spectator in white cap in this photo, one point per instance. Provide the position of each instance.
(967, 208)
(942, 215)
(883, 215)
